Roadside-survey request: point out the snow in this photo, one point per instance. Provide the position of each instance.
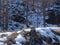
(20, 38)
(8, 33)
(1, 43)
(58, 37)
(2, 39)
(18, 43)
(44, 31)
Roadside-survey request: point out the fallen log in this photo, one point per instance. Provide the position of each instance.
(57, 32)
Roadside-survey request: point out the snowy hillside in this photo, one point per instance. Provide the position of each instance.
(42, 36)
(18, 11)
(19, 8)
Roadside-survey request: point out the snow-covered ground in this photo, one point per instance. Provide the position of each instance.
(44, 31)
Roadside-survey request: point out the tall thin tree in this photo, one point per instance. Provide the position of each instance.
(6, 14)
